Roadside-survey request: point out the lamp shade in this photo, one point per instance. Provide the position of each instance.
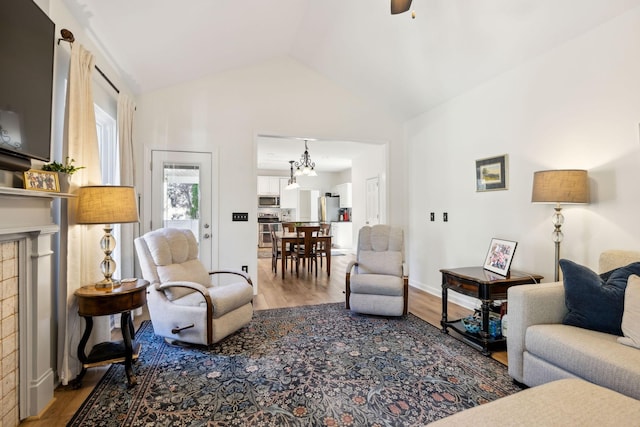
(560, 186)
(106, 204)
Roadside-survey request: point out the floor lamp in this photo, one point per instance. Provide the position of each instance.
(560, 186)
(108, 205)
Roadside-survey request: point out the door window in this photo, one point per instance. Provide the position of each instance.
(182, 197)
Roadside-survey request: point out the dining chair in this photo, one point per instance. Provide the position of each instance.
(289, 226)
(305, 248)
(322, 247)
(276, 251)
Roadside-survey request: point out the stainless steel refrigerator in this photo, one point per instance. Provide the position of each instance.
(329, 208)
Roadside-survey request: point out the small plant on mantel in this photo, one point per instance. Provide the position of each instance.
(65, 170)
(67, 167)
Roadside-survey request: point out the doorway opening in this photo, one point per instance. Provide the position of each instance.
(337, 162)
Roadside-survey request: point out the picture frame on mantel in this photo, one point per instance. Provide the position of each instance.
(492, 173)
(40, 180)
(499, 256)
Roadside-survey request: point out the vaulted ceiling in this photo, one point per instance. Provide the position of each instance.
(405, 65)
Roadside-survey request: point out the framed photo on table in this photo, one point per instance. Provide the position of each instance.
(500, 256)
(491, 173)
(41, 181)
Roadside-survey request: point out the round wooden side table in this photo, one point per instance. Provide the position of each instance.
(94, 301)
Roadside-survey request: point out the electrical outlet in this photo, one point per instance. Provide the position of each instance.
(445, 216)
(240, 216)
(245, 268)
(432, 216)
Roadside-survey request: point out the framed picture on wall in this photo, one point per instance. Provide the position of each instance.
(491, 173)
(41, 181)
(500, 256)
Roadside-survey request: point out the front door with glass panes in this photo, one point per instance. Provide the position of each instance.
(181, 196)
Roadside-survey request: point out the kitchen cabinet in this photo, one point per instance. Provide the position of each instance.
(268, 185)
(344, 191)
(342, 235)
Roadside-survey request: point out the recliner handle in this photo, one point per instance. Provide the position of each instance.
(177, 329)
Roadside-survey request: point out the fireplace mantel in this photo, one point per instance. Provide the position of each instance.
(26, 217)
(20, 192)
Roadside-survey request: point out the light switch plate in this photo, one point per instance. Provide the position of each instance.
(240, 216)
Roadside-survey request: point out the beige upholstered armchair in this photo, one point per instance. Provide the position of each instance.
(183, 303)
(376, 283)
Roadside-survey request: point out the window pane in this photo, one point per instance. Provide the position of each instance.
(181, 196)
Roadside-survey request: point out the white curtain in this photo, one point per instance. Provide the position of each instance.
(126, 109)
(83, 242)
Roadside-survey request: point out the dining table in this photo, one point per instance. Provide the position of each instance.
(286, 239)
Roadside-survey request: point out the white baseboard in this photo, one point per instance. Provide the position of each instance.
(454, 297)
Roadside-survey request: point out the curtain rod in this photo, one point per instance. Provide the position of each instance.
(67, 36)
(107, 79)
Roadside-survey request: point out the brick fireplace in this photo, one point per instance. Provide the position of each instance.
(26, 304)
(9, 333)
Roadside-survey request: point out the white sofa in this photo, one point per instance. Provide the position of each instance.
(559, 403)
(541, 349)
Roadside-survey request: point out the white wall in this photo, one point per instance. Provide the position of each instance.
(225, 112)
(343, 176)
(60, 15)
(577, 106)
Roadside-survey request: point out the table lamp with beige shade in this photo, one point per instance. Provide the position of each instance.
(108, 205)
(565, 186)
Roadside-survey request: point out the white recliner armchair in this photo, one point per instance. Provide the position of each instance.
(183, 303)
(377, 283)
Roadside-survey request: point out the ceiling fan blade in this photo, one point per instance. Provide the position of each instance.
(399, 6)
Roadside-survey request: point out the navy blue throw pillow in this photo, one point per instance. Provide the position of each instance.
(595, 302)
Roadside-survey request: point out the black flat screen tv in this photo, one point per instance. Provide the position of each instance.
(27, 42)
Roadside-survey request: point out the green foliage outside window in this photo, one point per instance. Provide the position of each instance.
(195, 201)
(185, 200)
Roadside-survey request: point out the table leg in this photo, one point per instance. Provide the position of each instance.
(126, 326)
(132, 330)
(77, 381)
(284, 255)
(484, 331)
(329, 258)
(443, 321)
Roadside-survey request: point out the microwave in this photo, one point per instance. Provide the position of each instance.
(268, 201)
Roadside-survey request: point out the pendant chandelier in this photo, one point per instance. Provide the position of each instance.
(305, 166)
(292, 183)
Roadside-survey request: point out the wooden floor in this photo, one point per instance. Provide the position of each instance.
(274, 292)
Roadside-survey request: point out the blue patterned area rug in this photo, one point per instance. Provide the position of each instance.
(306, 366)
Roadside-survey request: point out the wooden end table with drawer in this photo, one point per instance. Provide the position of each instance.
(93, 301)
(486, 286)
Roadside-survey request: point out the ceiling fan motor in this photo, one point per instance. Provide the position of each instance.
(400, 6)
